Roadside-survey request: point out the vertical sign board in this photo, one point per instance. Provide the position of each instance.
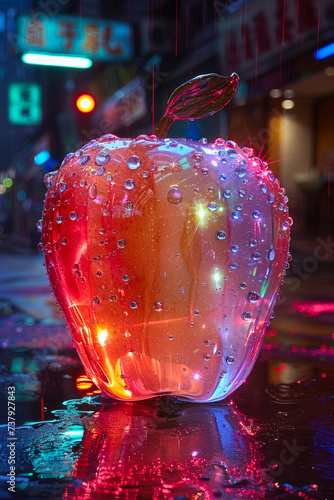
(24, 104)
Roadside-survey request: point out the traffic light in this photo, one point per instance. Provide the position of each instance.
(85, 103)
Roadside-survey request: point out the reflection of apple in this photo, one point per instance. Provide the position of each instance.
(133, 451)
(166, 257)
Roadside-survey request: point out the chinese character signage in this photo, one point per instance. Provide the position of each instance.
(125, 107)
(253, 38)
(94, 38)
(24, 104)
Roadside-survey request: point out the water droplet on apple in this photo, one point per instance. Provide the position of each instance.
(285, 225)
(253, 297)
(272, 254)
(235, 214)
(84, 159)
(101, 171)
(40, 247)
(222, 177)
(128, 205)
(97, 301)
(39, 225)
(102, 158)
(227, 194)
(59, 219)
(49, 178)
(113, 298)
(264, 188)
(62, 186)
(133, 162)
(219, 142)
(73, 215)
(256, 256)
(158, 306)
(170, 337)
(203, 140)
(92, 191)
(125, 277)
(129, 184)
(133, 305)
(241, 171)
(212, 206)
(221, 235)
(247, 315)
(256, 214)
(229, 359)
(253, 242)
(271, 197)
(243, 285)
(145, 174)
(196, 312)
(174, 195)
(233, 265)
(198, 155)
(234, 248)
(205, 171)
(99, 274)
(232, 153)
(121, 243)
(207, 357)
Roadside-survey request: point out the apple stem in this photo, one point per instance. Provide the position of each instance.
(200, 97)
(164, 126)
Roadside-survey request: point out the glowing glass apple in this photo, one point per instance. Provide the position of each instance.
(166, 257)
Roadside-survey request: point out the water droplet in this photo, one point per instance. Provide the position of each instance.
(222, 177)
(203, 140)
(133, 305)
(125, 277)
(242, 193)
(113, 298)
(218, 353)
(221, 235)
(233, 265)
(256, 256)
(256, 214)
(50, 226)
(272, 254)
(62, 186)
(121, 243)
(84, 159)
(205, 171)
(227, 194)
(281, 206)
(207, 357)
(92, 191)
(40, 247)
(39, 225)
(198, 155)
(73, 215)
(232, 153)
(223, 160)
(158, 306)
(253, 297)
(243, 285)
(133, 162)
(285, 225)
(97, 300)
(212, 206)
(109, 178)
(247, 315)
(239, 206)
(271, 197)
(264, 188)
(64, 241)
(241, 171)
(196, 312)
(59, 219)
(128, 205)
(102, 158)
(219, 142)
(99, 274)
(129, 184)
(170, 337)
(145, 174)
(101, 171)
(83, 183)
(153, 168)
(229, 359)
(234, 248)
(235, 214)
(49, 178)
(174, 195)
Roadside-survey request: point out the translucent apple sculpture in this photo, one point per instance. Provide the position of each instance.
(166, 255)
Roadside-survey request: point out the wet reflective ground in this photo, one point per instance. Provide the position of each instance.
(273, 439)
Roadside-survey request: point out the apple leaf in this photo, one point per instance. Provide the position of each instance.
(200, 97)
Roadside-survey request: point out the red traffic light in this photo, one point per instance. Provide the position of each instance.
(85, 103)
